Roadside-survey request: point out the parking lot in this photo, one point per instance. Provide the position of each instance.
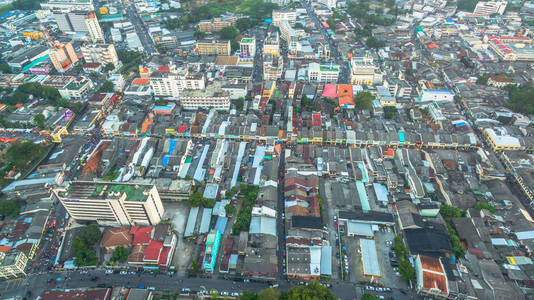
(177, 213)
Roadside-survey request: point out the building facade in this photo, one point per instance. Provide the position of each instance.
(63, 56)
(12, 264)
(93, 28)
(364, 71)
(112, 203)
(213, 47)
(210, 97)
(100, 53)
(323, 73)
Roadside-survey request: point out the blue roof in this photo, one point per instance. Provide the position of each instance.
(221, 224)
(326, 260)
(381, 192)
(401, 137)
(191, 221)
(364, 200)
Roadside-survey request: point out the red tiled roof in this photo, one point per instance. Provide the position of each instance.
(164, 69)
(164, 256)
(93, 294)
(142, 235)
(137, 254)
(434, 281)
(140, 81)
(153, 250)
(118, 236)
(431, 264)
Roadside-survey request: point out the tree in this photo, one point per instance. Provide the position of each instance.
(239, 104)
(389, 112)
(331, 21)
(373, 42)
(196, 199)
(90, 234)
(199, 34)
(466, 5)
(39, 120)
(208, 203)
(120, 254)
(9, 208)
(248, 295)
(448, 211)
(521, 98)
(364, 100)
(269, 294)
(195, 267)
(109, 67)
(312, 291)
(483, 80)
(229, 209)
(400, 249)
(484, 205)
(229, 33)
(5, 68)
(406, 269)
(107, 87)
(243, 24)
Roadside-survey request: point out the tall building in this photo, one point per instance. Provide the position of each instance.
(248, 47)
(111, 203)
(323, 73)
(364, 71)
(213, 47)
(213, 96)
(168, 81)
(100, 53)
(271, 44)
(284, 15)
(12, 264)
(68, 5)
(95, 32)
(62, 56)
(490, 7)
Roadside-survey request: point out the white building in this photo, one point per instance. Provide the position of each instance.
(93, 28)
(331, 4)
(431, 276)
(364, 71)
(271, 44)
(437, 95)
(68, 5)
(211, 97)
(284, 15)
(112, 203)
(236, 91)
(248, 47)
(323, 73)
(100, 53)
(169, 83)
(12, 264)
(490, 7)
(76, 89)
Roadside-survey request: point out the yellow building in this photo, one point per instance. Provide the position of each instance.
(501, 142)
(33, 35)
(213, 47)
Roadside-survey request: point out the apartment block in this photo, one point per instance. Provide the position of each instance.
(62, 56)
(93, 28)
(364, 71)
(323, 73)
(213, 96)
(112, 203)
(248, 47)
(284, 15)
(213, 47)
(168, 81)
(100, 53)
(490, 7)
(12, 264)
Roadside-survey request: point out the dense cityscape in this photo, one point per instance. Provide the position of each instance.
(322, 149)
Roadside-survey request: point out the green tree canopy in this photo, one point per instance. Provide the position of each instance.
(229, 33)
(406, 270)
(5, 68)
(521, 98)
(312, 291)
(482, 79)
(39, 120)
(369, 297)
(448, 211)
(9, 208)
(364, 100)
(109, 67)
(107, 87)
(484, 205)
(196, 199)
(373, 42)
(120, 254)
(269, 294)
(90, 234)
(243, 24)
(230, 209)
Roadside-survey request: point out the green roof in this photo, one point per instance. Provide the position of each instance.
(326, 69)
(133, 192)
(247, 41)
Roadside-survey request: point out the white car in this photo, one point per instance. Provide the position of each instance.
(235, 294)
(124, 273)
(109, 271)
(224, 293)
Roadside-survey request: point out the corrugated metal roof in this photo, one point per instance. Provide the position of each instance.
(191, 221)
(263, 224)
(206, 218)
(326, 260)
(369, 258)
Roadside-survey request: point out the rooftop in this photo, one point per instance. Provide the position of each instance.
(104, 190)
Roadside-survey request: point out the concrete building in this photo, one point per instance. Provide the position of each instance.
(62, 56)
(247, 47)
(68, 5)
(271, 44)
(216, 24)
(331, 4)
(111, 203)
(12, 264)
(169, 83)
(100, 53)
(213, 47)
(93, 28)
(511, 48)
(76, 89)
(74, 21)
(437, 96)
(210, 253)
(490, 7)
(284, 15)
(364, 71)
(323, 73)
(213, 96)
(431, 276)
(500, 141)
(273, 66)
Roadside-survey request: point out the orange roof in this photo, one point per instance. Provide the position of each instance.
(344, 90)
(4, 249)
(280, 134)
(18, 105)
(277, 149)
(345, 101)
(435, 281)
(431, 263)
(140, 81)
(117, 236)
